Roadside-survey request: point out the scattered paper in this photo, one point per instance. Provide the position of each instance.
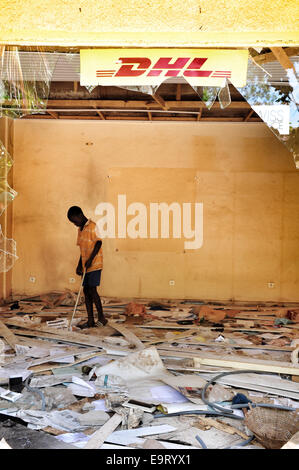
(169, 408)
(81, 391)
(99, 405)
(166, 394)
(131, 436)
(83, 383)
(49, 380)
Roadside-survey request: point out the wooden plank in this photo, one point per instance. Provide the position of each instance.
(134, 104)
(167, 326)
(223, 344)
(282, 58)
(67, 337)
(8, 335)
(129, 335)
(211, 422)
(43, 368)
(53, 114)
(45, 335)
(256, 364)
(175, 339)
(60, 335)
(99, 437)
(232, 362)
(249, 115)
(178, 92)
(141, 118)
(270, 57)
(101, 115)
(199, 115)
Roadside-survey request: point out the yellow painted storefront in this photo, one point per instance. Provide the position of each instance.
(156, 23)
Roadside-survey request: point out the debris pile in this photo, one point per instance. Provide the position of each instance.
(159, 375)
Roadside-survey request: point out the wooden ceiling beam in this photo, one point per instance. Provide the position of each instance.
(249, 115)
(98, 105)
(101, 115)
(270, 56)
(54, 114)
(72, 117)
(160, 101)
(144, 118)
(179, 92)
(282, 58)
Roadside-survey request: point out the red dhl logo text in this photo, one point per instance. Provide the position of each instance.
(182, 66)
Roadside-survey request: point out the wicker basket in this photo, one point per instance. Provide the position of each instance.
(271, 426)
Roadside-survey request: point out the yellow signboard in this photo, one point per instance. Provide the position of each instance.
(200, 67)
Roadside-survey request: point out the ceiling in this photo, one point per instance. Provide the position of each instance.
(174, 100)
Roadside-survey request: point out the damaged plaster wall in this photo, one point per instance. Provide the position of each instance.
(6, 219)
(104, 23)
(244, 177)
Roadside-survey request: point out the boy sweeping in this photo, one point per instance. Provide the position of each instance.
(91, 261)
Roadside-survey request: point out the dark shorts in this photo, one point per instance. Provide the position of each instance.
(93, 278)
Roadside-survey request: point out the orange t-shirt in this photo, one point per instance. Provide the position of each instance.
(86, 241)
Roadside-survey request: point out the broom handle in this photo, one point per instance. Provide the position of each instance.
(77, 300)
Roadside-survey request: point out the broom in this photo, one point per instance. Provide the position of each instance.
(77, 300)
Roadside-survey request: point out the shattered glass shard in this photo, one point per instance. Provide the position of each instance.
(8, 252)
(90, 88)
(6, 160)
(25, 79)
(7, 195)
(207, 94)
(224, 96)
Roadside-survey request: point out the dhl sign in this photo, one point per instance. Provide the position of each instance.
(200, 67)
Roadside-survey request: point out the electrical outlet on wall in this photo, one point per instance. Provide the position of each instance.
(172, 282)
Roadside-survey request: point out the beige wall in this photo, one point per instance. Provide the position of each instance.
(245, 178)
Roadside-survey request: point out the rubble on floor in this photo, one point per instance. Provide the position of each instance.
(159, 375)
